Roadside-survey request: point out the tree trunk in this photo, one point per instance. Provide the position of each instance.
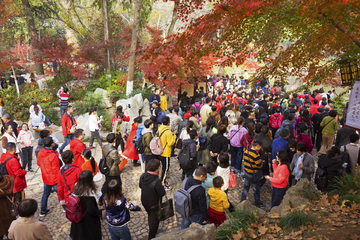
(172, 24)
(134, 35)
(106, 34)
(33, 35)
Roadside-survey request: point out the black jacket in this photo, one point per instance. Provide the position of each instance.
(193, 153)
(265, 151)
(343, 136)
(247, 121)
(315, 120)
(297, 102)
(151, 191)
(218, 143)
(198, 197)
(332, 167)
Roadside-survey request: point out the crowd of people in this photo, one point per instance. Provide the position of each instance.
(228, 130)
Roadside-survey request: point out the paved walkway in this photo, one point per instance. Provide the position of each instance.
(59, 226)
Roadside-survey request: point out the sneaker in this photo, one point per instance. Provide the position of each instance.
(30, 170)
(91, 147)
(42, 214)
(238, 174)
(167, 184)
(260, 205)
(63, 210)
(168, 188)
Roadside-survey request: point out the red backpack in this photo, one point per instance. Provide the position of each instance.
(74, 209)
(276, 122)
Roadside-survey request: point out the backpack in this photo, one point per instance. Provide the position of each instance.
(285, 103)
(321, 180)
(155, 144)
(202, 141)
(213, 118)
(184, 157)
(73, 209)
(182, 200)
(197, 106)
(344, 157)
(3, 169)
(103, 167)
(139, 147)
(160, 116)
(241, 105)
(276, 122)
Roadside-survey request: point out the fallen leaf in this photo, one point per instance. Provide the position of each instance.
(337, 224)
(352, 222)
(254, 225)
(251, 232)
(343, 204)
(323, 201)
(332, 229)
(262, 230)
(275, 216)
(239, 235)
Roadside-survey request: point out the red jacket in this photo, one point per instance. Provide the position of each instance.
(129, 151)
(280, 176)
(77, 146)
(71, 173)
(277, 115)
(14, 169)
(48, 161)
(313, 109)
(66, 124)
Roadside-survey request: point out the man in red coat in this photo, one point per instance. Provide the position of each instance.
(67, 121)
(77, 147)
(14, 169)
(49, 163)
(67, 177)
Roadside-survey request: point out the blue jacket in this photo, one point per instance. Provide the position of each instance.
(278, 144)
(139, 132)
(152, 98)
(118, 214)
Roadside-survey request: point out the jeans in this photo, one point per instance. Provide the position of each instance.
(277, 196)
(47, 191)
(27, 157)
(256, 188)
(236, 157)
(118, 233)
(67, 139)
(97, 136)
(47, 120)
(195, 218)
(62, 110)
(165, 166)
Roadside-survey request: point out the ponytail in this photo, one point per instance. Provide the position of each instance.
(189, 125)
(93, 164)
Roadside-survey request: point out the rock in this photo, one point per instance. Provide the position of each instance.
(77, 84)
(195, 231)
(302, 184)
(83, 123)
(282, 211)
(59, 135)
(247, 206)
(42, 83)
(145, 111)
(106, 100)
(131, 106)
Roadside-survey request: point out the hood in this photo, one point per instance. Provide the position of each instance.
(146, 130)
(162, 128)
(6, 185)
(148, 178)
(69, 169)
(188, 141)
(277, 114)
(6, 156)
(213, 196)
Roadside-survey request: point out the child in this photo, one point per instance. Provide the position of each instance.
(25, 139)
(208, 183)
(223, 170)
(122, 130)
(218, 202)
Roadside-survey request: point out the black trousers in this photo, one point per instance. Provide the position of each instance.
(119, 141)
(104, 187)
(18, 197)
(27, 157)
(153, 223)
(165, 167)
(318, 140)
(147, 158)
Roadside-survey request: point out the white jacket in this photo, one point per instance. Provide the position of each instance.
(93, 123)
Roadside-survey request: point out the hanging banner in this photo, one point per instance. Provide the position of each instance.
(353, 113)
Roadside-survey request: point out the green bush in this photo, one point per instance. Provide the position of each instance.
(52, 115)
(18, 107)
(237, 220)
(89, 100)
(296, 219)
(312, 194)
(345, 183)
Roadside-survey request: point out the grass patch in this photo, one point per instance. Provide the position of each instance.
(344, 184)
(312, 194)
(296, 219)
(237, 220)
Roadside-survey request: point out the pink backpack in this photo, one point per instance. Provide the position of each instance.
(155, 144)
(276, 122)
(74, 209)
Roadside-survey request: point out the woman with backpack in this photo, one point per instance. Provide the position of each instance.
(90, 226)
(275, 121)
(236, 148)
(218, 143)
(206, 133)
(117, 211)
(247, 139)
(186, 131)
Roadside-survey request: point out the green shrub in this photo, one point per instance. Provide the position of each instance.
(312, 194)
(345, 183)
(296, 219)
(350, 199)
(89, 100)
(52, 115)
(237, 220)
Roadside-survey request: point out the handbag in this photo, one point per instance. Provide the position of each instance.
(232, 180)
(166, 209)
(258, 176)
(179, 144)
(72, 129)
(13, 209)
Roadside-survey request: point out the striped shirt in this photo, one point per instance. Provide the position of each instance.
(64, 99)
(252, 161)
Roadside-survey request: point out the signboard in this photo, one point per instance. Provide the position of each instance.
(202, 84)
(353, 113)
(189, 89)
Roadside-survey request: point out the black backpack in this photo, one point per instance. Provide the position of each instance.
(345, 158)
(139, 147)
(184, 157)
(103, 167)
(213, 118)
(3, 170)
(321, 179)
(241, 104)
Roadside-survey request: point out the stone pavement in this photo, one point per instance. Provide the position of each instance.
(59, 226)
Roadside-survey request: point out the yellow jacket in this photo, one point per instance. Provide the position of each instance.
(218, 200)
(163, 103)
(167, 140)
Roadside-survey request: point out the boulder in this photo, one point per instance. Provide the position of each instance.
(77, 84)
(106, 100)
(131, 106)
(145, 112)
(42, 83)
(195, 231)
(83, 123)
(302, 184)
(247, 206)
